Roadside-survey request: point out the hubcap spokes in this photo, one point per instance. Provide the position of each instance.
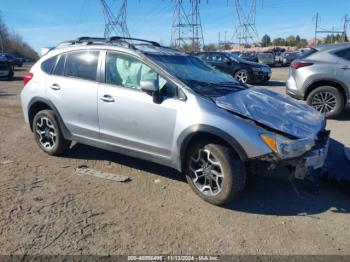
(242, 76)
(324, 102)
(46, 132)
(207, 172)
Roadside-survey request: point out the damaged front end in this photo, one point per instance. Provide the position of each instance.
(303, 166)
(295, 133)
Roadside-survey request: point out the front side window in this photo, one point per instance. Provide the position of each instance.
(126, 71)
(82, 64)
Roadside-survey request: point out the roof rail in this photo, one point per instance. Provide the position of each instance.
(91, 39)
(118, 38)
(113, 39)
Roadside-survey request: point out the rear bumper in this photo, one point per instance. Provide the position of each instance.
(293, 90)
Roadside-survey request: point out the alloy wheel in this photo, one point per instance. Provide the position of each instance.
(46, 132)
(324, 102)
(207, 172)
(242, 76)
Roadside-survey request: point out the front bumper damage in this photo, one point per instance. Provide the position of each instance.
(303, 167)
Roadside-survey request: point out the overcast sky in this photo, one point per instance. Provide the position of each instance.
(46, 22)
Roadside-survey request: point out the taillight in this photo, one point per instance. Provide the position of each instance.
(27, 77)
(297, 65)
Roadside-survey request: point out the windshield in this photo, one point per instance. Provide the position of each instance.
(198, 75)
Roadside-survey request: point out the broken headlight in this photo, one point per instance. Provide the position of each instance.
(287, 148)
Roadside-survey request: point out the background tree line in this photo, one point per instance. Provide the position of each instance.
(291, 40)
(13, 43)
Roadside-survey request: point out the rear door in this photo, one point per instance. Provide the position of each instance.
(72, 88)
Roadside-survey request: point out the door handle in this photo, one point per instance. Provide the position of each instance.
(107, 98)
(345, 67)
(55, 87)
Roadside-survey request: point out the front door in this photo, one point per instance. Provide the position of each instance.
(128, 117)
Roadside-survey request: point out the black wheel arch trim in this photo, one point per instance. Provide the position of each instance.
(65, 132)
(343, 85)
(186, 135)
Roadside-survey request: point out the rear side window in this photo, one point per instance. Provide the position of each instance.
(59, 68)
(345, 54)
(82, 65)
(48, 64)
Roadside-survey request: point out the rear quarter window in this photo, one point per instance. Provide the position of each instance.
(48, 65)
(344, 54)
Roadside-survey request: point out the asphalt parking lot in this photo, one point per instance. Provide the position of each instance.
(47, 208)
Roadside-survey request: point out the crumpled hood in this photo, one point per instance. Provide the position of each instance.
(275, 111)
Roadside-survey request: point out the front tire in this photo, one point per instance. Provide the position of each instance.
(214, 172)
(328, 100)
(48, 135)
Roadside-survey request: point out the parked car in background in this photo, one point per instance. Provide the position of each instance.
(158, 104)
(322, 78)
(243, 70)
(288, 57)
(249, 56)
(267, 58)
(6, 70)
(14, 60)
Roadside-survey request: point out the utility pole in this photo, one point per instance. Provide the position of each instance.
(187, 25)
(2, 45)
(345, 27)
(316, 26)
(319, 30)
(115, 24)
(219, 42)
(225, 44)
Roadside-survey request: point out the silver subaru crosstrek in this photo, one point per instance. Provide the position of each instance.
(322, 77)
(138, 98)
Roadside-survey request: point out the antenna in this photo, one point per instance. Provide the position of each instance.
(246, 32)
(187, 25)
(115, 25)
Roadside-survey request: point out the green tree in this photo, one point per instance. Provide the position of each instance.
(290, 40)
(265, 41)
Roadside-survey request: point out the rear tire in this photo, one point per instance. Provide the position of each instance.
(328, 100)
(223, 172)
(48, 135)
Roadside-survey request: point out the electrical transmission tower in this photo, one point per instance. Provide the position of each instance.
(246, 32)
(187, 26)
(115, 25)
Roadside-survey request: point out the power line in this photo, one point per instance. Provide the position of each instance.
(320, 30)
(115, 25)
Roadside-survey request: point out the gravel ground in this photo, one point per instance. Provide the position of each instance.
(47, 208)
